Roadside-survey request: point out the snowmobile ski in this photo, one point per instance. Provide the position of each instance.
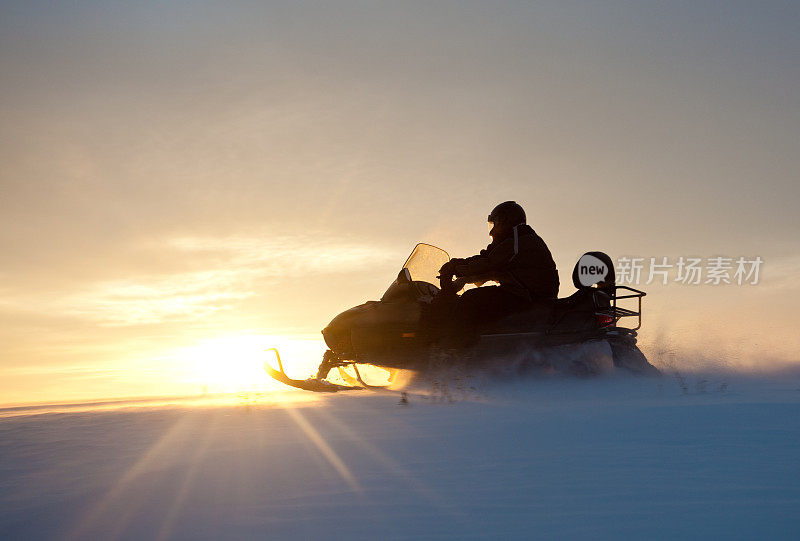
(310, 384)
(358, 380)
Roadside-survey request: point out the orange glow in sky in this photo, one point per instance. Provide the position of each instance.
(182, 188)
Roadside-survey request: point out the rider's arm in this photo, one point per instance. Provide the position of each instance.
(488, 262)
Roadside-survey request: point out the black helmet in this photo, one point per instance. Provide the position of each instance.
(507, 215)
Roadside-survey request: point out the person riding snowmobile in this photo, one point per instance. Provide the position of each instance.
(517, 259)
(416, 326)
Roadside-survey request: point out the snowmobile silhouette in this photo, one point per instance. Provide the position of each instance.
(390, 333)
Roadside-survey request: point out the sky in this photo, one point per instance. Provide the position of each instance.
(197, 179)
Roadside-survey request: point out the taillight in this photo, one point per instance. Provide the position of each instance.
(604, 320)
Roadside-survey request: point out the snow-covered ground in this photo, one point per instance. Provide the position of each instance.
(709, 456)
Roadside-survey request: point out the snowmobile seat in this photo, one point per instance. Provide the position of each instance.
(578, 312)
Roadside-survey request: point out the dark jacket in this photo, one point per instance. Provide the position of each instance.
(521, 263)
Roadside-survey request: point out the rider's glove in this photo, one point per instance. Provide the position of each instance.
(449, 268)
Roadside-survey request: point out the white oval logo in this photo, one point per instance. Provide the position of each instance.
(591, 270)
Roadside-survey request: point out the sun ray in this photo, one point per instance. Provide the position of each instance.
(323, 447)
(391, 465)
(188, 479)
(170, 438)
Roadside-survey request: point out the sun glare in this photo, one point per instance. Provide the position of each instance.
(236, 363)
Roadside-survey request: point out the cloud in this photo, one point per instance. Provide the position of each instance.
(188, 296)
(233, 268)
(781, 273)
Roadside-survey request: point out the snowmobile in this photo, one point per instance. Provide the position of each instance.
(563, 334)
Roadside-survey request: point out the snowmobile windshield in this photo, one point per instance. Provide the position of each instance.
(424, 263)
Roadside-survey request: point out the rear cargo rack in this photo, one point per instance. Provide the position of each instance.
(617, 312)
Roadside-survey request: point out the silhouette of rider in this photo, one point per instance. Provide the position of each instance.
(517, 259)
